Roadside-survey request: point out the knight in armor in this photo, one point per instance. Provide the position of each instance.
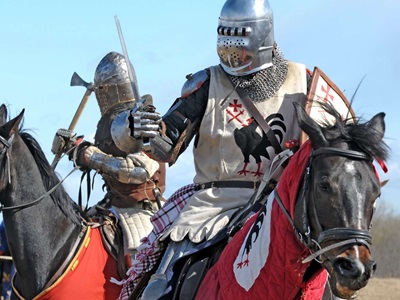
(231, 150)
(134, 180)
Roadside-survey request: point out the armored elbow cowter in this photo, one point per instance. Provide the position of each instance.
(133, 169)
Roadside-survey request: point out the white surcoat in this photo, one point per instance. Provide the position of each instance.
(231, 147)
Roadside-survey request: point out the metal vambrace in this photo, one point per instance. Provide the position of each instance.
(161, 147)
(125, 170)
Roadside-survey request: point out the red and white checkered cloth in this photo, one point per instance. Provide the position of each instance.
(150, 249)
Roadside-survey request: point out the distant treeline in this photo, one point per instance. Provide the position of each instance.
(386, 241)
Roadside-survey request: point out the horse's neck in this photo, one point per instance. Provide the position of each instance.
(41, 235)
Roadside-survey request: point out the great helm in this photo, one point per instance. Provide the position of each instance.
(245, 36)
(111, 82)
(114, 95)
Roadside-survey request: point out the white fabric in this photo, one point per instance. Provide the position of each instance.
(135, 224)
(218, 156)
(257, 257)
(206, 213)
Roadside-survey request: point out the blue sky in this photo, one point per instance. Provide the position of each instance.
(44, 42)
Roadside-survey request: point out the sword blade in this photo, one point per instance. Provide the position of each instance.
(131, 71)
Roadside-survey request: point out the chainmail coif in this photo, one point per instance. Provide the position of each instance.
(262, 85)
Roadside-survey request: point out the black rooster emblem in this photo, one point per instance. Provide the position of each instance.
(252, 237)
(252, 144)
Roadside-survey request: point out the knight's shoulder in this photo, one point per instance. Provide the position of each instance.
(194, 82)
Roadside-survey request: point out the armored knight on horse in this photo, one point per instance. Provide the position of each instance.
(242, 116)
(247, 116)
(134, 181)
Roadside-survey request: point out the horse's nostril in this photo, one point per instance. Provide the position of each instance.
(347, 267)
(374, 266)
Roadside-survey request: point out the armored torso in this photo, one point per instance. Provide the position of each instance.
(231, 146)
(231, 142)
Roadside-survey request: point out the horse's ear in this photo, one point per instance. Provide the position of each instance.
(12, 126)
(309, 126)
(3, 114)
(383, 183)
(377, 123)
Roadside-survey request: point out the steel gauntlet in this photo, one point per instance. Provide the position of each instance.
(144, 124)
(64, 141)
(134, 169)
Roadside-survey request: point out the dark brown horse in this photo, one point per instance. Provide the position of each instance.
(50, 241)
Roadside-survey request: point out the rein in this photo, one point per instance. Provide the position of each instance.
(348, 236)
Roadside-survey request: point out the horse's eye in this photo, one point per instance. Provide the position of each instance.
(323, 186)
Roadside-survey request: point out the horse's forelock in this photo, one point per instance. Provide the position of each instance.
(360, 133)
(368, 140)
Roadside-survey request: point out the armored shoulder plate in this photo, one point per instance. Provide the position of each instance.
(193, 83)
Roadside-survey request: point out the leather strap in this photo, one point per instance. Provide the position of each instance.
(259, 118)
(67, 261)
(230, 184)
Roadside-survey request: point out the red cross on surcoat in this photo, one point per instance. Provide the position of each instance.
(235, 105)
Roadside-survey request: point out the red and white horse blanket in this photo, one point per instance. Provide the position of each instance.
(263, 260)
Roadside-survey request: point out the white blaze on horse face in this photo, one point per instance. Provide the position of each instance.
(350, 169)
(359, 264)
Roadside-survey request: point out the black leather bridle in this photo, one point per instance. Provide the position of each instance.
(346, 236)
(3, 152)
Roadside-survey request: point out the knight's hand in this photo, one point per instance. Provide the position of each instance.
(82, 155)
(143, 161)
(144, 124)
(133, 169)
(64, 141)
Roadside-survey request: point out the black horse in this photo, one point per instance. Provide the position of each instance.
(50, 240)
(315, 227)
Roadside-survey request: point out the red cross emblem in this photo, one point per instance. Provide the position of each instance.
(235, 111)
(326, 91)
(235, 116)
(235, 105)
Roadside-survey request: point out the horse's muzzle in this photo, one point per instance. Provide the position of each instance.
(350, 273)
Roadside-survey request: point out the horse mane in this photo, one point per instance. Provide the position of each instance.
(359, 133)
(68, 206)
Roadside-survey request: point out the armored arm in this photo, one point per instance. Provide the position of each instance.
(181, 123)
(134, 168)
